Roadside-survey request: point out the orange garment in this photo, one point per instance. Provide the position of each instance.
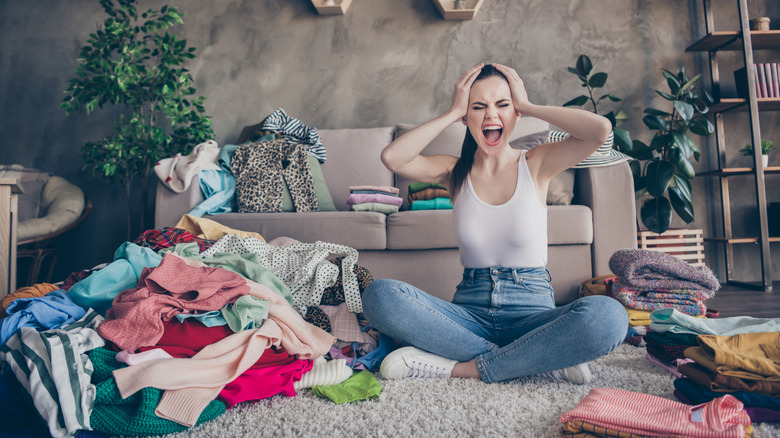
(36, 290)
(429, 193)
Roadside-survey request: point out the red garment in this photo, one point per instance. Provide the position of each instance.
(184, 339)
(274, 373)
(136, 315)
(167, 237)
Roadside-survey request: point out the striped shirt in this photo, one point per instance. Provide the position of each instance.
(650, 415)
(53, 368)
(292, 130)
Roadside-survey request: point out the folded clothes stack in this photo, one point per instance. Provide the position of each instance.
(383, 199)
(429, 196)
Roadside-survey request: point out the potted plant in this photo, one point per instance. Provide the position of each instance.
(766, 148)
(663, 168)
(132, 62)
(585, 70)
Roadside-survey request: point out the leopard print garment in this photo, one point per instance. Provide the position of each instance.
(261, 167)
(334, 295)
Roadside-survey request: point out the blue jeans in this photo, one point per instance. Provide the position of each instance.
(505, 318)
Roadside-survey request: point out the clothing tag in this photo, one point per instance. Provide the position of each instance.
(697, 413)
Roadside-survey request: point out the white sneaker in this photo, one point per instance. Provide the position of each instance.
(413, 362)
(578, 374)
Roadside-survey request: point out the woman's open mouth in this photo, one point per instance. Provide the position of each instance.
(492, 134)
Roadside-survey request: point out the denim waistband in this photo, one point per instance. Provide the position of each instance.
(500, 272)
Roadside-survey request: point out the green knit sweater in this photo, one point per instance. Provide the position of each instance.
(113, 415)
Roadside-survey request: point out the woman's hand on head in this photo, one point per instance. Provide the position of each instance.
(460, 96)
(516, 86)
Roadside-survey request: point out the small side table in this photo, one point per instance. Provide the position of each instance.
(9, 189)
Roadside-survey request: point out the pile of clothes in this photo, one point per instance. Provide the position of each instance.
(650, 280)
(383, 199)
(739, 356)
(272, 169)
(185, 323)
(429, 196)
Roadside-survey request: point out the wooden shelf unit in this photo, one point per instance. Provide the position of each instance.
(745, 41)
(448, 11)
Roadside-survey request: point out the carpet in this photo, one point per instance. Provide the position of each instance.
(528, 407)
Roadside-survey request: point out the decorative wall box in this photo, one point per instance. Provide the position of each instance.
(448, 11)
(331, 7)
(684, 244)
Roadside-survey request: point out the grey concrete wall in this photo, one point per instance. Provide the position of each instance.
(382, 63)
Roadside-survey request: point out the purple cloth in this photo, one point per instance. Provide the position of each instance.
(357, 198)
(647, 270)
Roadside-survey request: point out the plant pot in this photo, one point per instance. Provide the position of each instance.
(765, 160)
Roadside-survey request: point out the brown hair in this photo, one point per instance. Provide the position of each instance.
(466, 161)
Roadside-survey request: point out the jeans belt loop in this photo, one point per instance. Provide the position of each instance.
(549, 276)
(516, 276)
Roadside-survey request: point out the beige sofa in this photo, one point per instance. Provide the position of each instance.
(420, 247)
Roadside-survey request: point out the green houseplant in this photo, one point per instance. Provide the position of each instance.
(766, 148)
(132, 62)
(585, 70)
(663, 168)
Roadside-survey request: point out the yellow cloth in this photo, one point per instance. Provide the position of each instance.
(209, 229)
(754, 356)
(36, 290)
(637, 317)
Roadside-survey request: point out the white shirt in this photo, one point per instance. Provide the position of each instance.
(513, 234)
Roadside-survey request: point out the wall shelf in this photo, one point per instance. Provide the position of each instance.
(448, 11)
(732, 41)
(333, 7)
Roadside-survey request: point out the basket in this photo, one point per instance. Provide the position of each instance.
(760, 23)
(685, 244)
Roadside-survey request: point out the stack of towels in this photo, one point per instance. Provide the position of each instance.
(651, 280)
(429, 196)
(383, 199)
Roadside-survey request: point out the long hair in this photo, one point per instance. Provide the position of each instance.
(466, 161)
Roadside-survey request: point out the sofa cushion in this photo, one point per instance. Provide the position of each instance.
(324, 200)
(353, 159)
(429, 229)
(451, 139)
(359, 230)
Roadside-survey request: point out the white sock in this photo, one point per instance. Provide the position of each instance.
(324, 373)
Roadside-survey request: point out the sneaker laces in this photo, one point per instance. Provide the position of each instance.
(426, 371)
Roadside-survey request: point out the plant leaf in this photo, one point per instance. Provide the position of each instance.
(671, 80)
(702, 127)
(682, 164)
(584, 66)
(656, 214)
(659, 175)
(685, 110)
(655, 122)
(577, 101)
(666, 96)
(682, 206)
(598, 80)
(622, 140)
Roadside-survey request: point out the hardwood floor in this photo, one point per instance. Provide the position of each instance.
(736, 301)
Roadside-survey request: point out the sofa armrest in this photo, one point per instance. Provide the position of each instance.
(170, 206)
(609, 192)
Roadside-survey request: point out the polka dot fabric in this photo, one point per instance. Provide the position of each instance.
(303, 267)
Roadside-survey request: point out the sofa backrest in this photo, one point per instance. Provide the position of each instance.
(451, 139)
(353, 159)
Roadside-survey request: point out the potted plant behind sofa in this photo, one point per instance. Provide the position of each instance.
(132, 62)
(664, 167)
(766, 148)
(584, 69)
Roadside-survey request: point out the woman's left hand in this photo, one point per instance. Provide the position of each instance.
(516, 86)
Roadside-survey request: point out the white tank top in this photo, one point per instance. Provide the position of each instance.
(513, 234)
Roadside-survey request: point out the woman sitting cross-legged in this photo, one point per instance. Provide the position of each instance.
(502, 323)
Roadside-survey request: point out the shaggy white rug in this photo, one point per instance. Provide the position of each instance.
(528, 407)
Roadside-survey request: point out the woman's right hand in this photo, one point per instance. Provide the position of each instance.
(460, 97)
